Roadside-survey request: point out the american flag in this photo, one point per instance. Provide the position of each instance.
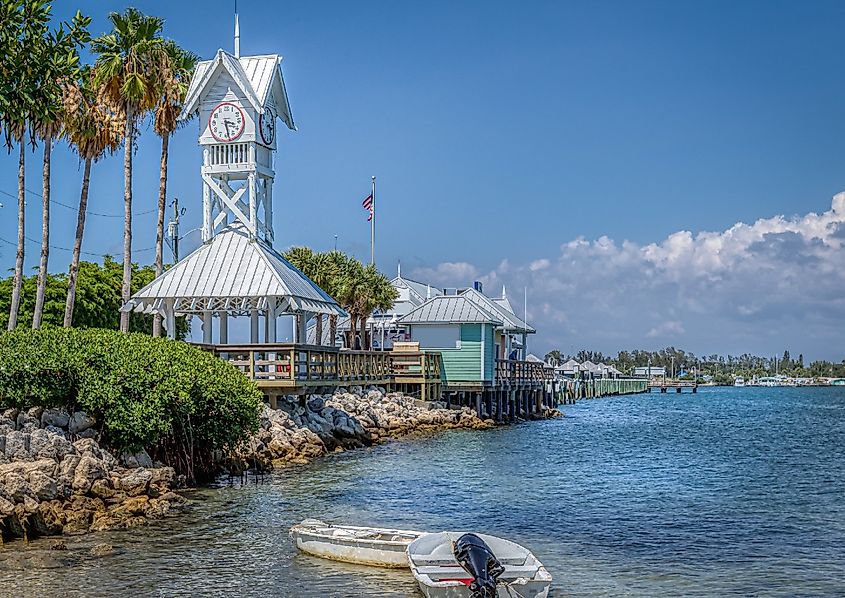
(368, 205)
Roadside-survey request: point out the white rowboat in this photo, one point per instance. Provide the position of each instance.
(351, 544)
(439, 575)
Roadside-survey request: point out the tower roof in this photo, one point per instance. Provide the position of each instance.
(260, 77)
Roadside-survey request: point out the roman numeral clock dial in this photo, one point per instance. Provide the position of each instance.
(226, 122)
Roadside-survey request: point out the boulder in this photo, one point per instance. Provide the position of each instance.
(58, 418)
(80, 421)
(16, 486)
(140, 459)
(316, 404)
(27, 422)
(89, 433)
(17, 446)
(67, 469)
(102, 489)
(135, 482)
(41, 445)
(162, 475)
(7, 507)
(87, 447)
(43, 486)
(87, 472)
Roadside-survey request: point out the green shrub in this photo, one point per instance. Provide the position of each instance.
(178, 402)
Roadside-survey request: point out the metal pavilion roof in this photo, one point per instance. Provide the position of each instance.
(235, 274)
(450, 309)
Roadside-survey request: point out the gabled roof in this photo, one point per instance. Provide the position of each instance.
(422, 291)
(450, 309)
(510, 321)
(260, 77)
(234, 273)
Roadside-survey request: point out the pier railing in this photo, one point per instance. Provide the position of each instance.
(290, 365)
(521, 373)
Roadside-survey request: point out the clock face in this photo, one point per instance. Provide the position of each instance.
(267, 125)
(226, 122)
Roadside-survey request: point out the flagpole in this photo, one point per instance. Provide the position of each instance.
(373, 227)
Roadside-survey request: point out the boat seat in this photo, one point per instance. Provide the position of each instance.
(426, 562)
(509, 573)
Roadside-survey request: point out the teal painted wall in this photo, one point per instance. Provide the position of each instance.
(489, 352)
(464, 364)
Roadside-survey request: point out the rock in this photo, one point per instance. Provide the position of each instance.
(17, 446)
(26, 422)
(89, 433)
(43, 486)
(102, 489)
(58, 545)
(140, 459)
(58, 418)
(87, 472)
(162, 476)
(6, 507)
(316, 404)
(135, 482)
(16, 486)
(48, 519)
(88, 447)
(80, 421)
(67, 468)
(102, 550)
(41, 444)
(30, 505)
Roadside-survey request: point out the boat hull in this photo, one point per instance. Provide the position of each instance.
(439, 575)
(377, 547)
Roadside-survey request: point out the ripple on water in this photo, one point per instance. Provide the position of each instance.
(727, 492)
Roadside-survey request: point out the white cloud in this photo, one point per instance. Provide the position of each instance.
(777, 283)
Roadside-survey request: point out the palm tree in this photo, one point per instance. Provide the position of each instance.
(129, 62)
(58, 62)
(173, 88)
(91, 131)
(324, 273)
(23, 25)
(338, 262)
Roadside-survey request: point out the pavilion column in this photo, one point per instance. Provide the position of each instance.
(253, 326)
(170, 317)
(206, 327)
(224, 327)
(270, 329)
(524, 346)
(301, 322)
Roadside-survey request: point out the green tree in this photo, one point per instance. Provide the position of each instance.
(91, 132)
(173, 86)
(24, 24)
(129, 62)
(58, 60)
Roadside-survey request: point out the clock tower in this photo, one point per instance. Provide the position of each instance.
(240, 100)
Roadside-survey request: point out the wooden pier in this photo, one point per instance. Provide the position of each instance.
(667, 385)
(573, 389)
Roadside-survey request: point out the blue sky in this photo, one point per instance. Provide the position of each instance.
(502, 132)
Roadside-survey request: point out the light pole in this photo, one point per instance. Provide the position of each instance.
(673, 368)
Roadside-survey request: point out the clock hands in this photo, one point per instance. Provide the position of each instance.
(226, 123)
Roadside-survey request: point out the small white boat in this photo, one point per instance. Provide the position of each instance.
(351, 544)
(439, 574)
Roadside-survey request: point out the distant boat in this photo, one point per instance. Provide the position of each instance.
(739, 381)
(437, 570)
(380, 547)
(775, 381)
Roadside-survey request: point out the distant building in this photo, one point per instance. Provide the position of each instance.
(650, 372)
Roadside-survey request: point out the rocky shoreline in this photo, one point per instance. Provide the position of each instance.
(56, 478)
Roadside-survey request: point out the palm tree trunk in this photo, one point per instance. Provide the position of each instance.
(38, 312)
(319, 329)
(353, 329)
(126, 287)
(77, 246)
(162, 198)
(332, 329)
(18, 280)
(363, 325)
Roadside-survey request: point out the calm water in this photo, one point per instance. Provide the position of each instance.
(727, 492)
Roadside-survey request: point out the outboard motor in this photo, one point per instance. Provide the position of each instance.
(473, 554)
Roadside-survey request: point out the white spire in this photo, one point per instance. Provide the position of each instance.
(504, 292)
(237, 33)
(398, 269)
(428, 291)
